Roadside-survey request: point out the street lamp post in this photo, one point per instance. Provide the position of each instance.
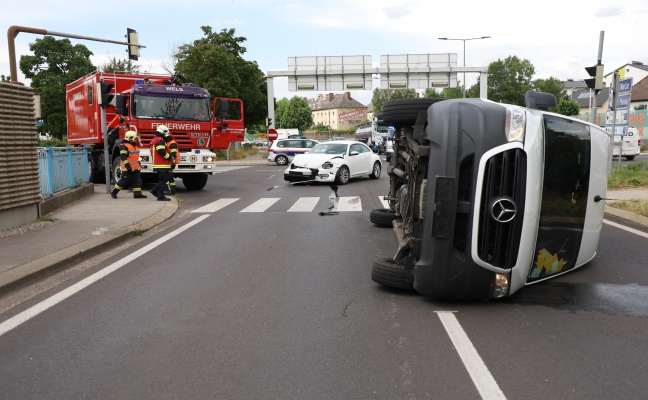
(464, 56)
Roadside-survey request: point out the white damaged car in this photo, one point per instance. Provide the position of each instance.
(334, 162)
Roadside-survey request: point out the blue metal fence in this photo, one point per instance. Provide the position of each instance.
(61, 168)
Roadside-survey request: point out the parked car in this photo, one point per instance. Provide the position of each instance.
(631, 144)
(334, 161)
(486, 198)
(282, 151)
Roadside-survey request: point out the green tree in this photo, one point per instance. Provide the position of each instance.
(382, 95)
(567, 107)
(280, 106)
(54, 64)
(120, 65)
(215, 62)
(5, 78)
(297, 114)
(446, 93)
(550, 85)
(509, 80)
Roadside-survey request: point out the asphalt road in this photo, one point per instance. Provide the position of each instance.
(240, 302)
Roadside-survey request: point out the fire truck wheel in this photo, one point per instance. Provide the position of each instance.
(387, 273)
(404, 111)
(116, 171)
(382, 217)
(194, 181)
(93, 171)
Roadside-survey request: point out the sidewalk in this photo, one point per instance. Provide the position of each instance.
(98, 222)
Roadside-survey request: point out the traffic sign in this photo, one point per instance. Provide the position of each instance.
(272, 134)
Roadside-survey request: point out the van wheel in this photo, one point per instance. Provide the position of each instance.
(629, 158)
(382, 217)
(405, 111)
(281, 160)
(387, 273)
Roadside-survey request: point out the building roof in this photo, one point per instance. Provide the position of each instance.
(635, 64)
(582, 97)
(572, 84)
(640, 90)
(331, 101)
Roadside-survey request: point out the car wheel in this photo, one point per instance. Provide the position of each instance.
(387, 273)
(342, 176)
(281, 160)
(375, 174)
(382, 217)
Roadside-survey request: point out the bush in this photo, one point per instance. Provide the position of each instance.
(632, 175)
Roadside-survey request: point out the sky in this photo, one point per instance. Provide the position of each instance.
(559, 38)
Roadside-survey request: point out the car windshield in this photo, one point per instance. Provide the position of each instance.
(329, 148)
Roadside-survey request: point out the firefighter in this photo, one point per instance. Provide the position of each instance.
(172, 148)
(162, 161)
(130, 167)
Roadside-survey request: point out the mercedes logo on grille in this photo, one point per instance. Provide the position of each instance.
(503, 210)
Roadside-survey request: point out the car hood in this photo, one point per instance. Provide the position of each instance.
(313, 160)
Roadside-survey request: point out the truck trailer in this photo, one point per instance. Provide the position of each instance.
(142, 102)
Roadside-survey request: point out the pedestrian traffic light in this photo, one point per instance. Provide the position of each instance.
(596, 82)
(133, 45)
(104, 97)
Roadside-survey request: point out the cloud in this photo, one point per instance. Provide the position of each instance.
(607, 12)
(397, 12)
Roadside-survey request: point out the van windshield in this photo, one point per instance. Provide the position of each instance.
(564, 196)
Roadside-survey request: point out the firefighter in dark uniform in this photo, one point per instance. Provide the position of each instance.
(162, 161)
(131, 175)
(172, 148)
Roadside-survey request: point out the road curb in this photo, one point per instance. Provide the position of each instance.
(639, 219)
(86, 249)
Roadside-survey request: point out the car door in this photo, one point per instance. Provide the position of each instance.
(360, 163)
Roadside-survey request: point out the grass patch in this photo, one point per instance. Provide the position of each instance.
(631, 176)
(138, 232)
(639, 207)
(47, 219)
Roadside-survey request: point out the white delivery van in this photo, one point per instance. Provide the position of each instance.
(629, 145)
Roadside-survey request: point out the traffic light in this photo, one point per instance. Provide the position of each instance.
(596, 82)
(104, 97)
(133, 45)
(268, 122)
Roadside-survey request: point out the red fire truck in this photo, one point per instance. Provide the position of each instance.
(141, 103)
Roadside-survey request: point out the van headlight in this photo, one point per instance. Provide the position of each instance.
(500, 286)
(515, 123)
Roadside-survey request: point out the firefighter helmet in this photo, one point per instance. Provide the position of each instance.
(131, 136)
(163, 130)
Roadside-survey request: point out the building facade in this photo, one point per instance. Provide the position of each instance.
(337, 111)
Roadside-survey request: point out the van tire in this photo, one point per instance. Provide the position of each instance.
(629, 158)
(405, 111)
(387, 273)
(382, 217)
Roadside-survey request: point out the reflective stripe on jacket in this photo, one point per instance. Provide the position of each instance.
(160, 157)
(129, 155)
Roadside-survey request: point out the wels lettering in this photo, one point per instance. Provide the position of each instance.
(174, 88)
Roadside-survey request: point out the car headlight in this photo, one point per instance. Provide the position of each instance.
(327, 165)
(515, 122)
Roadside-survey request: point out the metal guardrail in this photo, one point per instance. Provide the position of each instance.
(61, 168)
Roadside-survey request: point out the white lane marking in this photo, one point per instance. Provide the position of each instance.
(625, 228)
(481, 376)
(351, 203)
(261, 205)
(33, 311)
(215, 206)
(304, 204)
(384, 202)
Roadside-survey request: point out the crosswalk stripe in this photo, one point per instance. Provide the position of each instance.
(215, 206)
(351, 203)
(261, 205)
(304, 204)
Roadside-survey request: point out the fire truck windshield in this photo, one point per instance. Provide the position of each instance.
(171, 108)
